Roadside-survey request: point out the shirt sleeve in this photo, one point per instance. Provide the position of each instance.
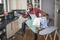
(38, 10)
(26, 15)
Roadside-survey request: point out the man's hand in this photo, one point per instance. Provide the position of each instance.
(23, 15)
(44, 14)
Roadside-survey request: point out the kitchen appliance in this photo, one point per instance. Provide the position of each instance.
(1, 9)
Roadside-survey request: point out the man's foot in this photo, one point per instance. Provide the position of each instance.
(21, 33)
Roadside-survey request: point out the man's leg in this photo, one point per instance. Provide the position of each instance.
(35, 36)
(23, 28)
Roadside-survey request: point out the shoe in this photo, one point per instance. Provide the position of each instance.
(21, 33)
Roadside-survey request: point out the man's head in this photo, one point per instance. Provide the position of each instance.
(30, 6)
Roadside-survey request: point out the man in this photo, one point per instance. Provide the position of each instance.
(35, 11)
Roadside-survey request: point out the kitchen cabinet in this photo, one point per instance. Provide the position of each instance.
(22, 4)
(12, 28)
(8, 30)
(16, 4)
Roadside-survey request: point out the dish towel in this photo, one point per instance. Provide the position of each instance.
(29, 22)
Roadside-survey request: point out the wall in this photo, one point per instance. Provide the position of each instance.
(48, 6)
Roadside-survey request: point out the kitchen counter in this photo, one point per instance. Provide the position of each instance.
(6, 22)
(5, 25)
(11, 27)
(9, 21)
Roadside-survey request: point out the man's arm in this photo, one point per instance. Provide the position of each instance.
(24, 15)
(44, 14)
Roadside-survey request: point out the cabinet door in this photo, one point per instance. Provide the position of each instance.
(8, 30)
(12, 28)
(13, 4)
(21, 4)
(18, 4)
(16, 25)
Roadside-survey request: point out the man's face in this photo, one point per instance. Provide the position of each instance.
(30, 6)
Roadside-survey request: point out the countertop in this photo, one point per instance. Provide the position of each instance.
(6, 21)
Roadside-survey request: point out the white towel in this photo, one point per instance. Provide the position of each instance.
(36, 22)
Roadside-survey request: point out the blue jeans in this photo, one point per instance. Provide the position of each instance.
(23, 30)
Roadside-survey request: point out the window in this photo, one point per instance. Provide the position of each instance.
(29, 1)
(37, 3)
(0, 1)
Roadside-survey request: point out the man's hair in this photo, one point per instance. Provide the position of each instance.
(29, 4)
(47, 14)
